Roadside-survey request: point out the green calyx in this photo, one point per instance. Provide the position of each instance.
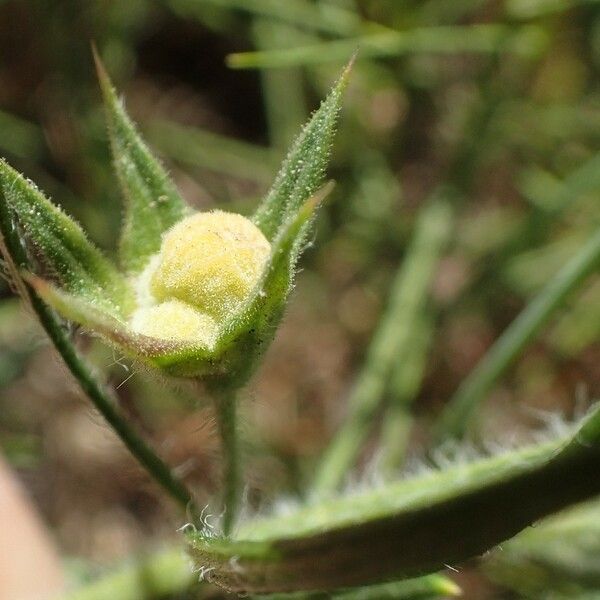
(197, 294)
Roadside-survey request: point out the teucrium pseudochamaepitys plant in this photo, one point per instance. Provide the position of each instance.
(199, 295)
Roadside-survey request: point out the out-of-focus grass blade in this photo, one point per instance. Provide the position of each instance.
(200, 148)
(527, 40)
(459, 412)
(283, 90)
(321, 17)
(389, 343)
(404, 385)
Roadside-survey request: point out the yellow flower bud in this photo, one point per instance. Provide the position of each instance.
(177, 321)
(211, 261)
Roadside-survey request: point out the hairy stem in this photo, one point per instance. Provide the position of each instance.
(225, 404)
(100, 397)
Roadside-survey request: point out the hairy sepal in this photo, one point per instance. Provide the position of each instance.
(246, 335)
(58, 245)
(303, 170)
(152, 202)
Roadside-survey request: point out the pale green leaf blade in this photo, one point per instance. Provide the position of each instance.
(303, 170)
(409, 527)
(60, 246)
(152, 202)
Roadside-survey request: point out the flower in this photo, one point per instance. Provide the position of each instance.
(196, 293)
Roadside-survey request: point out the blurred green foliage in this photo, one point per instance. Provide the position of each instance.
(494, 105)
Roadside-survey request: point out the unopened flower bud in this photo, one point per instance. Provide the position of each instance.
(211, 261)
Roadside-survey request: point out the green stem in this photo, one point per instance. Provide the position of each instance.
(99, 396)
(225, 404)
(459, 412)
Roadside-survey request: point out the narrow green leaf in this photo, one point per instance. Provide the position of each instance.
(527, 40)
(153, 204)
(303, 170)
(61, 247)
(409, 527)
(326, 18)
(405, 382)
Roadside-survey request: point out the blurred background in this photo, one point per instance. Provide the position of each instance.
(496, 103)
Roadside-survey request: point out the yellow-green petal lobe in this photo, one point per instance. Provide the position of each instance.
(175, 321)
(211, 261)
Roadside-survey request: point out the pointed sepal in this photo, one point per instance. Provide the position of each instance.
(303, 170)
(248, 332)
(60, 248)
(152, 202)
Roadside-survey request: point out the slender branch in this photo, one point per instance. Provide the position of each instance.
(225, 404)
(100, 397)
(459, 412)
